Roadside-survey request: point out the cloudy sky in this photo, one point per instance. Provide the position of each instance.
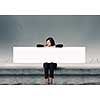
(30, 30)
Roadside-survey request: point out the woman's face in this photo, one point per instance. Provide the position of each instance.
(48, 43)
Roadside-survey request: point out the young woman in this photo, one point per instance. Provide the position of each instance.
(49, 67)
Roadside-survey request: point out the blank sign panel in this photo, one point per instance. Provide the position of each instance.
(48, 54)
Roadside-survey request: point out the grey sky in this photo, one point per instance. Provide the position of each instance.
(30, 30)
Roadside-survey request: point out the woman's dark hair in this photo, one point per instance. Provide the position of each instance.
(51, 40)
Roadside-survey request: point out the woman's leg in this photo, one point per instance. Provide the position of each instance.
(46, 72)
(52, 68)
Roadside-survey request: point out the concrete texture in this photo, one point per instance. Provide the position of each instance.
(63, 76)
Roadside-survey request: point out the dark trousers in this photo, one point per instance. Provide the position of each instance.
(49, 69)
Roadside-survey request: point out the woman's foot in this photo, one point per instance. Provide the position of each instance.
(47, 81)
(51, 80)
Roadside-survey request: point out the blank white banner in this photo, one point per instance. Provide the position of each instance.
(49, 54)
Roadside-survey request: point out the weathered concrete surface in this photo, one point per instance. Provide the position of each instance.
(63, 76)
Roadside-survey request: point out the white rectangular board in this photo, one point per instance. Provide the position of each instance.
(49, 54)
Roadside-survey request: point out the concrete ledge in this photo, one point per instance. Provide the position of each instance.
(40, 66)
(40, 72)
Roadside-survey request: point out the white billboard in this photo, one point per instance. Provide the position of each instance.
(49, 54)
